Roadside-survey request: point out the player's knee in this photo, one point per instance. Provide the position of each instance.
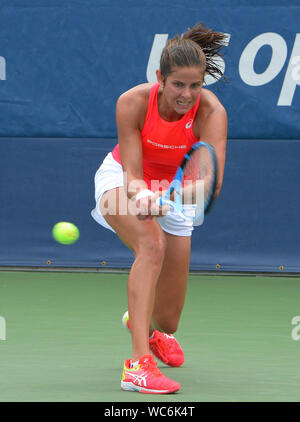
(153, 249)
(167, 324)
(169, 327)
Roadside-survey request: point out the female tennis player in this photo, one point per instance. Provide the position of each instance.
(157, 123)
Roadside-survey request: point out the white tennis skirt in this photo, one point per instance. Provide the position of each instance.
(110, 176)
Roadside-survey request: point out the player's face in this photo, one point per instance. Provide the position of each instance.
(182, 88)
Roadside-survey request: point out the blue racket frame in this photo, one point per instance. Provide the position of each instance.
(176, 184)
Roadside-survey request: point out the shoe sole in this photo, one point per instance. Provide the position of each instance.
(129, 386)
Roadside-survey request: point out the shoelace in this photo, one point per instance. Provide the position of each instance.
(152, 365)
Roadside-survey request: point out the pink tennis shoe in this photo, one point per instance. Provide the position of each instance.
(164, 346)
(146, 378)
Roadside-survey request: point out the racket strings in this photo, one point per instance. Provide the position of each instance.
(192, 189)
(198, 175)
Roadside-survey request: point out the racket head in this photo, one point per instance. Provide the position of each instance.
(194, 183)
(200, 165)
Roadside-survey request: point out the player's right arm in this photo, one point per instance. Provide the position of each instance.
(130, 111)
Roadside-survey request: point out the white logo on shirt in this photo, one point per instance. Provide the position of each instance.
(166, 146)
(189, 124)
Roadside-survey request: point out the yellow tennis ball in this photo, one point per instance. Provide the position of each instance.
(65, 233)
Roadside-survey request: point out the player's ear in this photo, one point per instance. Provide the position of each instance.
(159, 78)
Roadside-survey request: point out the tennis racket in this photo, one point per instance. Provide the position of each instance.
(191, 193)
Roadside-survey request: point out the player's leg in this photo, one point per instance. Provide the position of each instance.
(147, 240)
(169, 300)
(172, 284)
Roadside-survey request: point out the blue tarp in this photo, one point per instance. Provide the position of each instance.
(63, 64)
(254, 225)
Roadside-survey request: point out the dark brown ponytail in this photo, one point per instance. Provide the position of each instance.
(198, 46)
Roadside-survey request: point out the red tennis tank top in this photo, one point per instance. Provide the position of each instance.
(164, 143)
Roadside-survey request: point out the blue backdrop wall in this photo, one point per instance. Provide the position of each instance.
(65, 62)
(63, 65)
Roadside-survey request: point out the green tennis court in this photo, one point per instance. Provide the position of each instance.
(65, 342)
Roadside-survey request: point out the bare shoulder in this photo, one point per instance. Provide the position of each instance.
(211, 113)
(210, 103)
(133, 104)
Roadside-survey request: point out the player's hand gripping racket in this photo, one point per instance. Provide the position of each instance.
(191, 193)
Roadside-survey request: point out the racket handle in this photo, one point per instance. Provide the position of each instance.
(159, 201)
(143, 193)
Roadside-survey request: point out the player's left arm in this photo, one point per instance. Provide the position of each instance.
(213, 130)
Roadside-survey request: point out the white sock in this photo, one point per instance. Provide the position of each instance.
(133, 364)
(152, 335)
